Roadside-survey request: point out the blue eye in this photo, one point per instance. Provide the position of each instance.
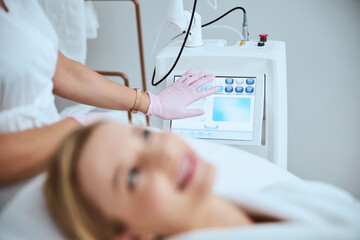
(132, 178)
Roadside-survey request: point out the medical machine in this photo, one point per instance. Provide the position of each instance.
(250, 107)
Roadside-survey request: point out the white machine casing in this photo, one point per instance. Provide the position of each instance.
(267, 63)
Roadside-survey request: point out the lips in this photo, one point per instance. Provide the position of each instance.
(186, 171)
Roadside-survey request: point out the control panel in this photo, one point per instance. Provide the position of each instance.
(251, 105)
(234, 113)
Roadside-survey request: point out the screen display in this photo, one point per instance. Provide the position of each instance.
(231, 109)
(229, 113)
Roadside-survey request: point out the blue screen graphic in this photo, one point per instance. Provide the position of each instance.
(231, 109)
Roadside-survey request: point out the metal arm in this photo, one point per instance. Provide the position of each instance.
(180, 19)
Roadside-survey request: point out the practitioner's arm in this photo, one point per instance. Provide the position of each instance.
(76, 82)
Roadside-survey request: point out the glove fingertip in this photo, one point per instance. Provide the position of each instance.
(201, 112)
(215, 89)
(186, 75)
(194, 112)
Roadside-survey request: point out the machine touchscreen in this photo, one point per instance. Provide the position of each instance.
(230, 113)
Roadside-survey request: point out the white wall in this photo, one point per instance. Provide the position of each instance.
(323, 56)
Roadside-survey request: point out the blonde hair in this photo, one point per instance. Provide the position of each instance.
(77, 217)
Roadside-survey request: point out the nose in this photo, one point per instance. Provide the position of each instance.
(162, 157)
(160, 162)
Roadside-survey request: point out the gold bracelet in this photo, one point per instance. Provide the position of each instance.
(137, 102)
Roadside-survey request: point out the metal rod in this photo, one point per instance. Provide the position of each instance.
(140, 41)
(126, 83)
(141, 50)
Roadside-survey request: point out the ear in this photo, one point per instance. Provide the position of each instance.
(134, 236)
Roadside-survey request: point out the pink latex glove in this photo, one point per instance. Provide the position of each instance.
(86, 120)
(171, 103)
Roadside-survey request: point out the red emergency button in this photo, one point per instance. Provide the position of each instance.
(263, 37)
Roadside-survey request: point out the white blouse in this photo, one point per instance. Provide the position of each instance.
(28, 56)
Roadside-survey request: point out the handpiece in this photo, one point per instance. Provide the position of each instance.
(245, 31)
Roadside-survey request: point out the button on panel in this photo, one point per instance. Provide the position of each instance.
(239, 89)
(211, 125)
(249, 89)
(239, 81)
(229, 89)
(229, 81)
(250, 81)
(232, 85)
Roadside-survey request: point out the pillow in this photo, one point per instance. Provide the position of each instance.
(26, 217)
(238, 171)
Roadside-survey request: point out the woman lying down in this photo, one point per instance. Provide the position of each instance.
(111, 181)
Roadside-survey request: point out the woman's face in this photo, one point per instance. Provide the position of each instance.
(153, 182)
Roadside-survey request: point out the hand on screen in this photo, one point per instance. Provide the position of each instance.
(172, 102)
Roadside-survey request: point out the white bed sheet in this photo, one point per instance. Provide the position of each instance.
(25, 217)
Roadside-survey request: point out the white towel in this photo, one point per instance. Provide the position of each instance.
(74, 21)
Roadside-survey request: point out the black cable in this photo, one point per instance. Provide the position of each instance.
(213, 21)
(187, 33)
(217, 19)
(180, 52)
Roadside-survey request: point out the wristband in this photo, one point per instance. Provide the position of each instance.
(137, 102)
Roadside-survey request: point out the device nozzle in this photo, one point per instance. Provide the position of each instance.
(245, 31)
